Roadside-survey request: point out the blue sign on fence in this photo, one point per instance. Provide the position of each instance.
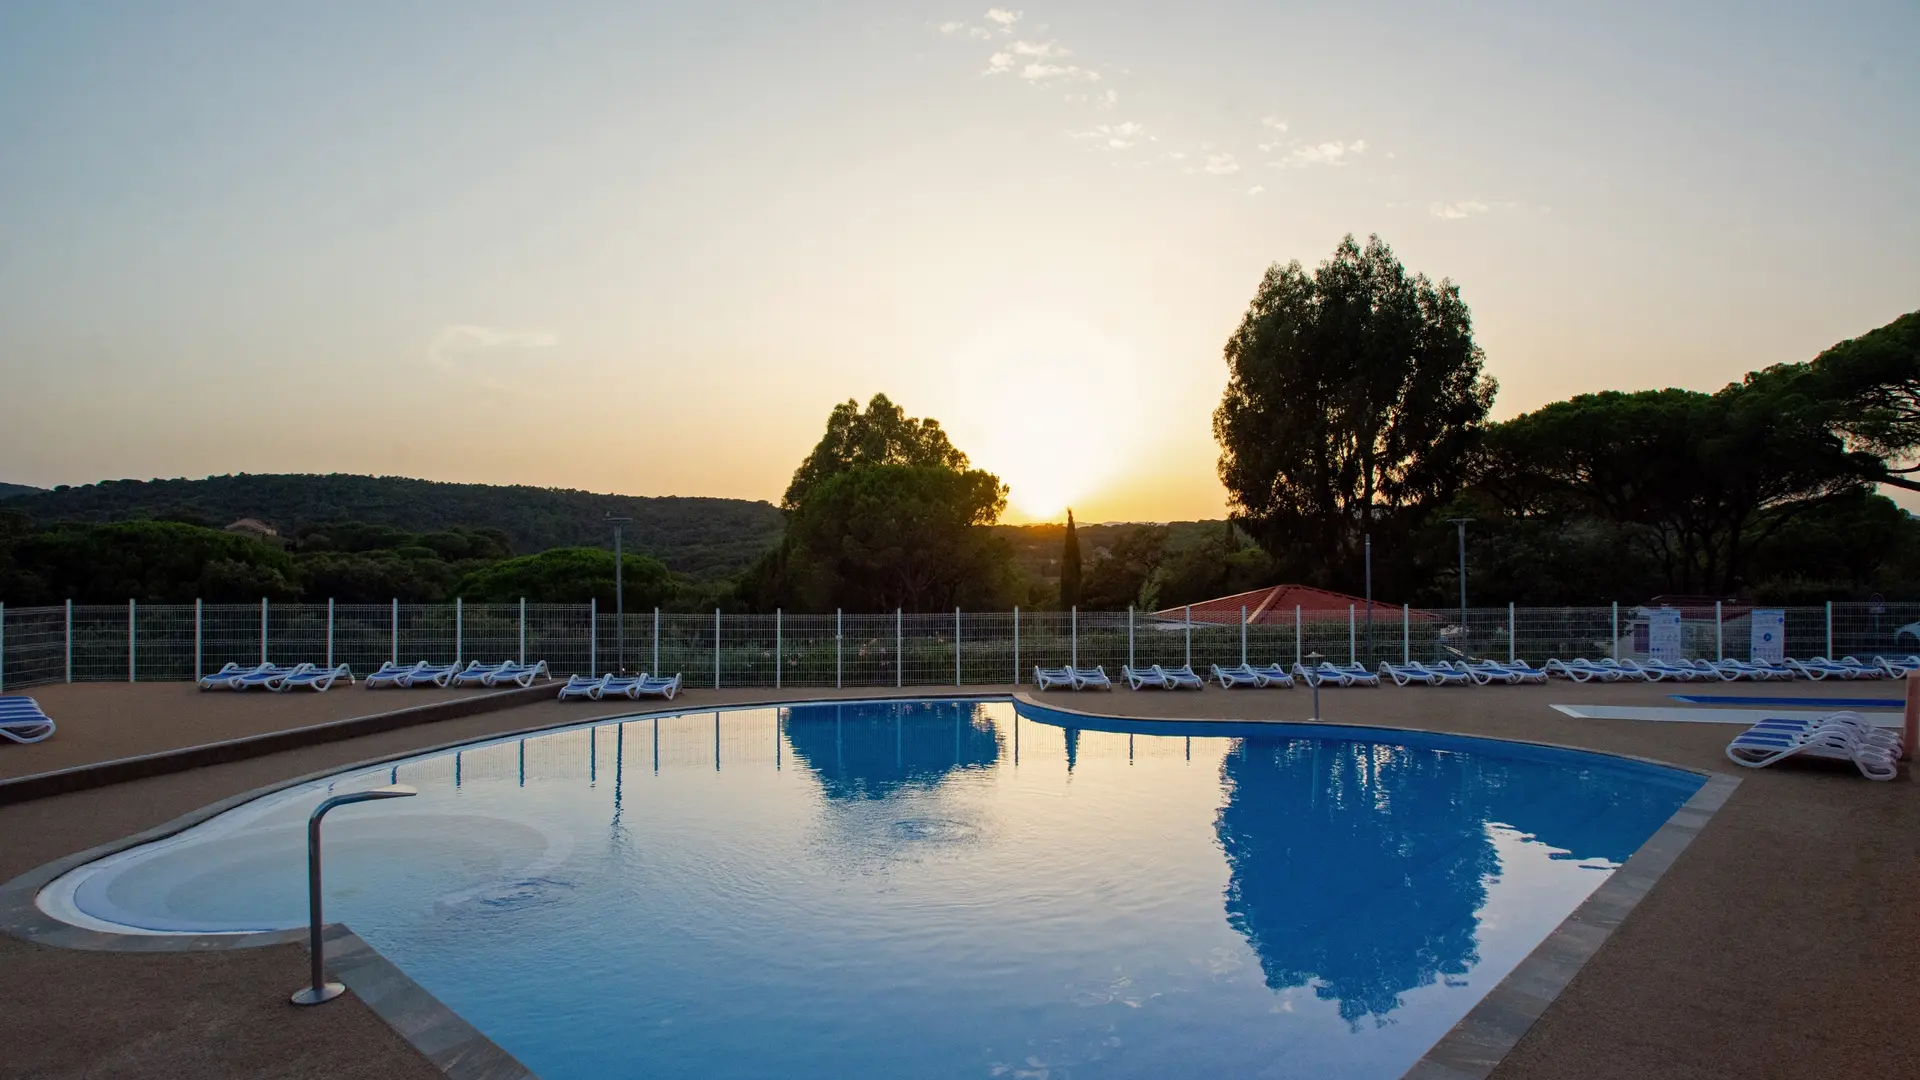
(1769, 635)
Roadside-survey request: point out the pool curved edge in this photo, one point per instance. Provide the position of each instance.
(1471, 1049)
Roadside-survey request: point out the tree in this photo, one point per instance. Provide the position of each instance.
(1118, 575)
(883, 435)
(879, 537)
(570, 576)
(150, 561)
(1872, 384)
(1353, 398)
(1070, 567)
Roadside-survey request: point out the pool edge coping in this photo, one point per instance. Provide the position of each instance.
(1470, 1050)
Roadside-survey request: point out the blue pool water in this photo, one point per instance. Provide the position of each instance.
(932, 889)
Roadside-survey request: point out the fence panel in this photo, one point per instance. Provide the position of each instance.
(33, 646)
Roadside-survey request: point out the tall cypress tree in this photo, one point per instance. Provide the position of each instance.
(1070, 567)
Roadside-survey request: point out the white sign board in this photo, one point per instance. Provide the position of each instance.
(1770, 635)
(1663, 635)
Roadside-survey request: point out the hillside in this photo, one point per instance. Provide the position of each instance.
(695, 536)
(8, 491)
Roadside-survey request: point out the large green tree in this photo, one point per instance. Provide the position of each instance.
(879, 537)
(1354, 395)
(883, 435)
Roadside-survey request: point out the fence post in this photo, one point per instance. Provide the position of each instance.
(1243, 635)
(776, 648)
(198, 670)
(459, 629)
(263, 629)
(1296, 633)
(132, 644)
(523, 630)
(716, 648)
(956, 646)
(69, 641)
(1016, 644)
(656, 642)
(329, 633)
(1073, 637)
(1130, 635)
(593, 636)
(1829, 652)
(1513, 629)
(1189, 635)
(1406, 633)
(1616, 630)
(1719, 646)
(899, 656)
(396, 631)
(836, 648)
(1353, 638)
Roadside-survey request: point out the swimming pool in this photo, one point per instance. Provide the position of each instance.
(931, 889)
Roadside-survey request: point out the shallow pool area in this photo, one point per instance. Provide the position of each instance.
(931, 889)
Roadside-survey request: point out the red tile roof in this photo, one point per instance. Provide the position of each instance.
(1275, 604)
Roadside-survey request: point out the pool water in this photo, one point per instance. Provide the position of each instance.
(932, 889)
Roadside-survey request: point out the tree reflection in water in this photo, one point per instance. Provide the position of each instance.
(870, 750)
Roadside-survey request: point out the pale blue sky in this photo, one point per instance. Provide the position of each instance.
(643, 248)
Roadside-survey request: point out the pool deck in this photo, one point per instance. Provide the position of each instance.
(1779, 944)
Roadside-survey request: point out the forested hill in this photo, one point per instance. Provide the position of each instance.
(8, 491)
(694, 536)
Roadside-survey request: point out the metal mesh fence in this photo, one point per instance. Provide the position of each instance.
(119, 642)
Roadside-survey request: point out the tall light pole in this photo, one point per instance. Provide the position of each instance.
(1461, 524)
(619, 596)
(1369, 558)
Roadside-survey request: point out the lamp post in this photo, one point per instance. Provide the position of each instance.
(1461, 524)
(1369, 598)
(619, 597)
(322, 990)
(1313, 680)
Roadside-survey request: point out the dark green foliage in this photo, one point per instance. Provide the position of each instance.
(150, 561)
(571, 576)
(1070, 567)
(1118, 575)
(1874, 382)
(1353, 399)
(697, 537)
(8, 491)
(877, 537)
(883, 435)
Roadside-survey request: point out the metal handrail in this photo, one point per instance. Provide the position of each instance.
(322, 990)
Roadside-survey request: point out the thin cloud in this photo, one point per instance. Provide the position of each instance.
(1220, 165)
(478, 352)
(999, 63)
(1045, 50)
(1120, 136)
(1004, 18)
(1326, 153)
(1256, 189)
(952, 27)
(1456, 210)
(1041, 73)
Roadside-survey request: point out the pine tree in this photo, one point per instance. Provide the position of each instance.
(1070, 567)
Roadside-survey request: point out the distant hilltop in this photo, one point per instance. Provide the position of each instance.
(695, 536)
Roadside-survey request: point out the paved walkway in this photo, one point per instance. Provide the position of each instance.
(1778, 945)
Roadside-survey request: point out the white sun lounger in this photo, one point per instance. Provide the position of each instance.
(269, 676)
(313, 678)
(1442, 674)
(1898, 666)
(1356, 672)
(1274, 675)
(583, 686)
(1095, 677)
(1405, 674)
(1841, 736)
(1323, 675)
(1584, 670)
(1146, 678)
(477, 674)
(657, 686)
(1181, 678)
(1247, 675)
(1661, 670)
(227, 678)
(23, 721)
(517, 674)
(611, 685)
(392, 674)
(1054, 678)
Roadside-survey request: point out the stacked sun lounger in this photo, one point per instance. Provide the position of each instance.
(411, 676)
(600, 687)
(1843, 736)
(506, 673)
(1332, 674)
(1071, 678)
(1248, 675)
(22, 720)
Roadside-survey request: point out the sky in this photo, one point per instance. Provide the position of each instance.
(645, 248)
